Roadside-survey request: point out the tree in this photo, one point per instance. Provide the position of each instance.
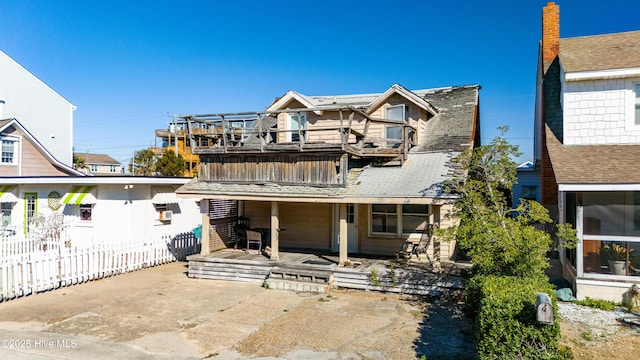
(79, 162)
(498, 239)
(170, 165)
(144, 163)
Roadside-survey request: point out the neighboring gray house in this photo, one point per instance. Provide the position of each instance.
(100, 164)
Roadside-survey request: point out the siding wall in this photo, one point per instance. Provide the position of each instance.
(596, 112)
(31, 160)
(118, 216)
(308, 225)
(415, 115)
(47, 115)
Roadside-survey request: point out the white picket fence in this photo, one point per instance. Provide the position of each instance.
(30, 269)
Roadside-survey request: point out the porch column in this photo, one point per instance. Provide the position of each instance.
(275, 230)
(579, 245)
(204, 241)
(343, 234)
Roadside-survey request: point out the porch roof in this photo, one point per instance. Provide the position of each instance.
(420, 179)
(593, 164)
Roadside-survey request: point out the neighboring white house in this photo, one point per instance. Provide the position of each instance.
(101, 210)
(47, 114)
(99, 164)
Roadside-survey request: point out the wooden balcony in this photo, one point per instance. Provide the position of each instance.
(213, 135)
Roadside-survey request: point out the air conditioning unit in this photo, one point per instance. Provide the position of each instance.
(165, 215)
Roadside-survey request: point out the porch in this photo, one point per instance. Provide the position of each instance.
(316, 271)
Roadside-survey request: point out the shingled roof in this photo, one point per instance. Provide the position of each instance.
(593, 164)
(453, 127)
(600, 52)
(97, 159)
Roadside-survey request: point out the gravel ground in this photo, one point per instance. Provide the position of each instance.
(602, 324)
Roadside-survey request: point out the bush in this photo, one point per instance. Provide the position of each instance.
(504, 310)
(596, 303)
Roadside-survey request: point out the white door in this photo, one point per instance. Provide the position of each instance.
(352, 228)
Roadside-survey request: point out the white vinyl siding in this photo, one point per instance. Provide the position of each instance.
(47, 115)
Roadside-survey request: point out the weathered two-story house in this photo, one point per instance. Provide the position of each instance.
(352, 174)
(588, 145)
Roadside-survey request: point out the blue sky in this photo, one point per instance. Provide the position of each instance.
(129, 65)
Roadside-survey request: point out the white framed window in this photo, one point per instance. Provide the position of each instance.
(9, 152)
(631, 101)
(393, 133)
(384, 219)
(414, 218)
(85, 212)
(636, 109)
(113, 168)
(395, 112)
(398, 219)
(297, 121)
(6, 208)
(93, 167)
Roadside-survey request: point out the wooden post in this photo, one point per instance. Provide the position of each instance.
(204, 241)
(224, 134)
(275, 230)
(343, 234)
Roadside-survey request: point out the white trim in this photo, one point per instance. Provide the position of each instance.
(291, 95)
(316, 198)
(624, 283)
(93, 180)
(41, 148)
(398, 89)
(601, 74)
(616, 238)
(599, 187)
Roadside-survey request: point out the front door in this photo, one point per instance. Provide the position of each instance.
(352, 228)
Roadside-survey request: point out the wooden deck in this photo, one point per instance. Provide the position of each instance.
(317, 272)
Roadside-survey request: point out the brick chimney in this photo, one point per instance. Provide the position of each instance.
(550, 31)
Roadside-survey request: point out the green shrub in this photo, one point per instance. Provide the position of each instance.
(504, 311)
(597, 303)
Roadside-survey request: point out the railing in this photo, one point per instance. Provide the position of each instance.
(28, 268)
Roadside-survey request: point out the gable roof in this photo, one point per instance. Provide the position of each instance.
(97, 159)
(368, 102)
(398, 89)
(600, 52)
(6, 123)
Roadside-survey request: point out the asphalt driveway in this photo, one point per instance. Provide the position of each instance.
(159, 313)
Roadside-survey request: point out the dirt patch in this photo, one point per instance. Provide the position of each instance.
(162, 312)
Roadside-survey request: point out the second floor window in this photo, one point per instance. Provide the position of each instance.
(297, 122)
(93, 167)
(8, 152)
(113, 168)
(636, 89)
(393, 134)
